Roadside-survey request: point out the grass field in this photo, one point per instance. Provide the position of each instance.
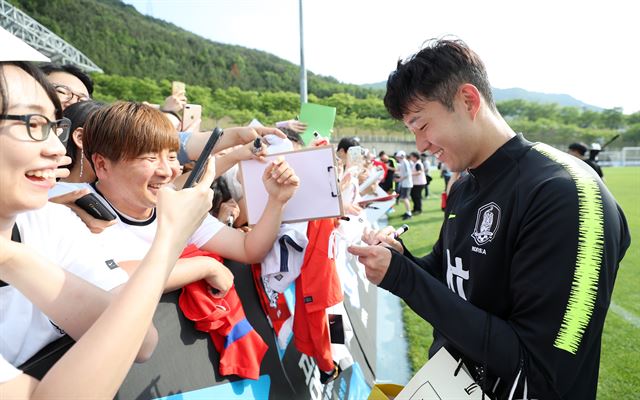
(620, 364)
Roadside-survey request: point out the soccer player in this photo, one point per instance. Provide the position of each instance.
(520, 280)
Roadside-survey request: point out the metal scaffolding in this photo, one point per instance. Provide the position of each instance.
(42, 39)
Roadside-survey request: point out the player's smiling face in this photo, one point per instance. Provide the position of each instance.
(441, 132)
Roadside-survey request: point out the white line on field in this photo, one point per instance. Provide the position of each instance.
(626, 315)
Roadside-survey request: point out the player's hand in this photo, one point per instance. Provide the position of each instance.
(385, 236)
(375, 259)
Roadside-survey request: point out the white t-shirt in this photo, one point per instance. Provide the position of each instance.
(420, 178)
(7, 371)
(291, 243)
(405, 172)
(130, 239)
(57, 234)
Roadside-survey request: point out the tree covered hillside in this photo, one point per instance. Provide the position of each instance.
(124, 42)
(141, 55)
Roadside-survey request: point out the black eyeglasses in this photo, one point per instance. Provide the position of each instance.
(39, 127)
(66, 94)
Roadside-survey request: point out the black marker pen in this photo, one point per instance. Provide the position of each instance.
(400, 231)
(257, 146)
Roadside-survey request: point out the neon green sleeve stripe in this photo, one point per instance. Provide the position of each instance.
(584, 287)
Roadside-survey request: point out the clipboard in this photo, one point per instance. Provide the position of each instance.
(318, 195)
(366, 201)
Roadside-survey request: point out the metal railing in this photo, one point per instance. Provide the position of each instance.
(42, 39)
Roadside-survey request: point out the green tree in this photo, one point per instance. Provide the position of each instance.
(612, 118)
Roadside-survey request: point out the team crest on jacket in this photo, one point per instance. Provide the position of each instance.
(487, 223)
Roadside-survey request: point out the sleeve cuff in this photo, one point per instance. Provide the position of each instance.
(390, 278)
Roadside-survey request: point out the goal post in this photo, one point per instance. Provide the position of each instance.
(630, 156)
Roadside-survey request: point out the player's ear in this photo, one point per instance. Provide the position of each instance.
(471, 98)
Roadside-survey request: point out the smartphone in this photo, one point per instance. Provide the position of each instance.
(190, 114)
(201, 163)
(91, 204)
(336, 328)
(355, 157)
(178, 87)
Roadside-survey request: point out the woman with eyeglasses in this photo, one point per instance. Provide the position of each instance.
(71, 84)
(38, 298)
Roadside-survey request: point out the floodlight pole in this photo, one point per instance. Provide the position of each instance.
(303, 70)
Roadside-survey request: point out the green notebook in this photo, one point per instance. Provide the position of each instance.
(318, 118)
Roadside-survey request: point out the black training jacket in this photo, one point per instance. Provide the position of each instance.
(521, 277)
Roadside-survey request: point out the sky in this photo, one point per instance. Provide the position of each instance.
(587, 49)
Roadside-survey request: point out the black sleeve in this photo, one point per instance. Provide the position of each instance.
(430, 263)
(554, 323)
(418, 167)
(431, 299)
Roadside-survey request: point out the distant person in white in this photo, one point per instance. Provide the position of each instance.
(405, 182)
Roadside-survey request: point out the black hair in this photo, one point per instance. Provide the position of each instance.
(434, 74)
(293, 136)
(382, 153)
(221, 194)
(34, 72)
(414, 154)
(70, 69)
(347, 142)
(78, 113)
(581, 148)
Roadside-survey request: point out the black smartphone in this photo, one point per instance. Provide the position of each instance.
(336, 328)
(201, 163)
(91, 204)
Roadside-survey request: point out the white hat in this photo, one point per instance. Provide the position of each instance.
(595, 146)
(14, 49)
(401, 153)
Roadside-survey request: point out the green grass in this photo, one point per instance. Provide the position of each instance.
(619, 366)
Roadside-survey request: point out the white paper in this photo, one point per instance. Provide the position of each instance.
(436, 381)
